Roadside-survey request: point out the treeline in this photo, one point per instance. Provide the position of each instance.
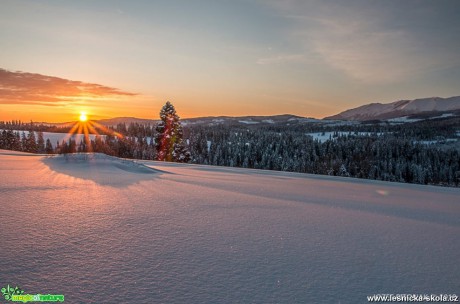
(383, 157)
(395, 155)
(132, 129)
(439, 128)
(34, 142)
(19, 125)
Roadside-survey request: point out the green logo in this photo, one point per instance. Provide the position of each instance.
(16, 294)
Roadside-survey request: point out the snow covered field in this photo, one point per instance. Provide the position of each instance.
(103, 230)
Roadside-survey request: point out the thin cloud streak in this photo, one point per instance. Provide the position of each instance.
(281, 59)
(367, 54)
(359, 42)
(29, 88)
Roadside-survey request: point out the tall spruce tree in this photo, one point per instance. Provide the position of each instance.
(169, 144)
(49, 147)
(40, 142)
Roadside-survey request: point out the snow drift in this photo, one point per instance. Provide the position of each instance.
(202, 234)
(101, 168)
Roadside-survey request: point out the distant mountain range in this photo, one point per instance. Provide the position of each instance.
(211, 120)
(403, 108)
(126, 120)
(401, 111)
(249, 120)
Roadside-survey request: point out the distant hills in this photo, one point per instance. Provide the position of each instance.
(127, 120)
(211, 120)
(249, 120)
(398, 111)
(423, 107)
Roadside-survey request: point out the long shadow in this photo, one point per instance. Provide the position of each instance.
(102, 169)
(363, 204)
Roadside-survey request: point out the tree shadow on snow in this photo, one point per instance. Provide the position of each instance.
(102, 169)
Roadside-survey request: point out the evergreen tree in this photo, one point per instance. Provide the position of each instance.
(23, 141)
(48, 147)
(30, 143)
(168, 140)
(40, 142)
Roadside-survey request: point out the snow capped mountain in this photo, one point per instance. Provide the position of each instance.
(400, 108)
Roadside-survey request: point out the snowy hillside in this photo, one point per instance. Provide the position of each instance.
(104, 230)
(400, 108)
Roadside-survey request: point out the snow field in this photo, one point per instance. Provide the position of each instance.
(141, 232)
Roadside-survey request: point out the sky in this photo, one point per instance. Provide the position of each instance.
(213, 58)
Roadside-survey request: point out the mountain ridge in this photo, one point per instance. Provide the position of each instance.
(432, 106)
(250, 119)
(400, 108)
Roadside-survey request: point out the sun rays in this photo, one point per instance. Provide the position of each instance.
(85, 127)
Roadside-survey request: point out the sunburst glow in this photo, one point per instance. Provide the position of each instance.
(86, 127)
(83, 116)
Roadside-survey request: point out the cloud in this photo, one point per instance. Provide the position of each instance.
(28, 88)
(367, 53)
(281, 59)
(361, 40)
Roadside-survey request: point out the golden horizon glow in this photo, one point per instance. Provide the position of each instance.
(87, 128)
(83, 116)
(337, 56)
(186, 107)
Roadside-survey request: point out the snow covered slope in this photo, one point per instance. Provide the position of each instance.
(400, 108)
(103, 230)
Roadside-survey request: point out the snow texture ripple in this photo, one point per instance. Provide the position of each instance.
(103, 230)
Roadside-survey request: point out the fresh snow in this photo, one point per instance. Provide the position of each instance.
(100, 229)
(432, 104)
(406, 119)
(445, 115)
(325, 136)
(104, 166)
(248, 122)
(431, 142)
(321, 136)
(403, 119)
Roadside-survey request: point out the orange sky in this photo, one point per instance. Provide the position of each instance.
(42, 98)
(233, 58)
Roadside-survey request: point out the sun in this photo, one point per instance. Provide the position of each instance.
(83, 116)
(86, 127)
